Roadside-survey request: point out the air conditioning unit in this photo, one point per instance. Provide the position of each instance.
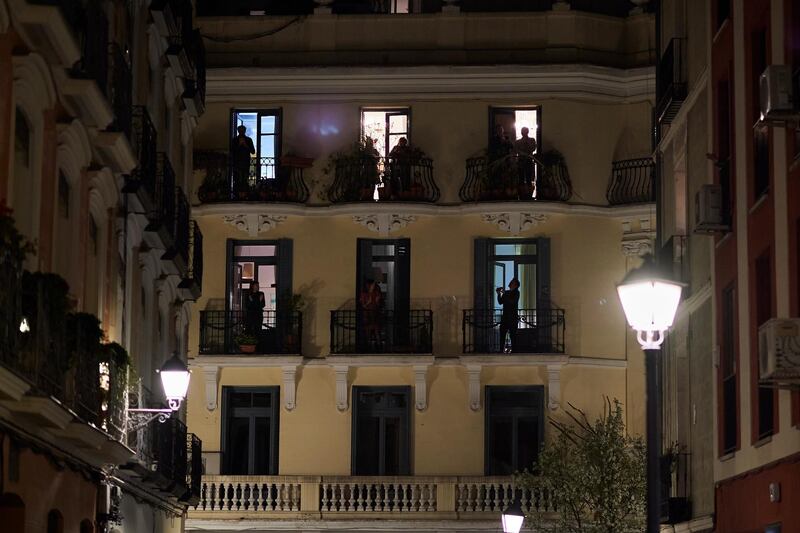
(779, 350)
(777, 100)
(709, 215)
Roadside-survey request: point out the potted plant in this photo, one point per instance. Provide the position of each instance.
(246, 342)
(294, 304)
(213, 187)
(355, 171)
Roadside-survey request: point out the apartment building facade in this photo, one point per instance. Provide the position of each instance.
(741, 266)
(98, 101)
(327, 404)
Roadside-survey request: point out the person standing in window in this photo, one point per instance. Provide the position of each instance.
(499, 150)
(254, 304)
(508, 321)
(525, 147)
(400, 157)
(371, 302)
(243, 149)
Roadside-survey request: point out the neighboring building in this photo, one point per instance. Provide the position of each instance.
(682, 132)
(334, 410)
(98, 101)
(720, 49)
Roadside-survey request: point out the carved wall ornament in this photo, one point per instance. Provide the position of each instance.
(384, 223)
(253, 224)
(637, 247)
(515, 223)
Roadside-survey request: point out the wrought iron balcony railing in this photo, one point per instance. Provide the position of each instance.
(226, 332)
(143, 142)
(409, 497)
(182, 225)
(194, 473)
(538, 331)
(92, 29)
(259, 179)
(164, 201)
(194, 95)
(671, 87)
(631, 182)
(192, 285)
(356, 331)
(61, 354)
(120, 89)
(171, 458)
(514, 178)
(368, 179)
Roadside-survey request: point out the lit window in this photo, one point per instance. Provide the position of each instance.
(385, 127)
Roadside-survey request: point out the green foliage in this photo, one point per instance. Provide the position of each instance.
(115, 353)
(595, 474)
(246, 339)
(13, 244)
(295, 302)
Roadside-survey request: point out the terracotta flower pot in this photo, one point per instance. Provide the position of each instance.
(247, 348)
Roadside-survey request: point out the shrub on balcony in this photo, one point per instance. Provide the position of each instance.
(14, 247)
(595, 475)
(214, 187)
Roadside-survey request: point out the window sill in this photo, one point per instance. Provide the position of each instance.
(759, 202)
(727, 457)
(724, 239)
(722, 26)
(763, 441)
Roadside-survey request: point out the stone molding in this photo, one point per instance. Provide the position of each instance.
(515, 223)
(252, 223)
(384, 223)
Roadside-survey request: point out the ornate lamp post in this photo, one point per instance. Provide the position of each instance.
(175, 380)
(650, 302)
(513, 517)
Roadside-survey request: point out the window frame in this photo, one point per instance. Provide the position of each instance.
(388, 111)
(283, 261)
(505, 109)
(277, 112)
(539, 392)
(406, 421)
(274, 391)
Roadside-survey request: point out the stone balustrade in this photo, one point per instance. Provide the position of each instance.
(283, 497)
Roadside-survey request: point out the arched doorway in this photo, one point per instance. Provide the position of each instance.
(55, 522)
(12, 512)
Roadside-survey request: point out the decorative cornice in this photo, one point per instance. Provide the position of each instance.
(384, 223)
(253, 224)
(584, 82)
(515, 223)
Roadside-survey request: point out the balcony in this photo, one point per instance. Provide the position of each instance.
(383, 179)
(180, 38)
(538, 331)
(362, 497)
(141, 184)
(160, 230)
(383, 332)
(191, 287)
(264, 180)
(120, 88)
(49, 24)
(194, 473)
(671, 87)
(194, 95)
(223, 332)
(176, 257)
(631, 182)
(514, 178)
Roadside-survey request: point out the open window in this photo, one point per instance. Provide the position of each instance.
(263, 126)
(385, 127)
(513, 119)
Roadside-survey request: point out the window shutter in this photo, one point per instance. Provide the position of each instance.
(482, 284)
(284, 276)
(543, 269)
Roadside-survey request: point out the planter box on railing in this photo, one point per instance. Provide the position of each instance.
(369, 179)
(259, 180)
(538, 331)
(514, 178)
(631, 182)
(277, 332)
(354, 331)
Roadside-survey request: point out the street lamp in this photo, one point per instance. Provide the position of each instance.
(513, 516)
(650, 301)
(175, 381)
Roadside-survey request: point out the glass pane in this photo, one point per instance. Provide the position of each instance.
(527, 442)
(505, 249)
(256, 250)
(383, 274)
(240, 399)
(268, 123)
(373, 126)
(500, 445)
(504, 398)
(262, 399)
(367, 446)
(248, 120)
(392, 439)
(267, 285)
(526, 118)
(238, 445)
(383, 249)
(398, 124)
(526, 273)
(262, 446)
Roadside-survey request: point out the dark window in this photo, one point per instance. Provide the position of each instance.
(55, 522)
(514, 428)
(250, 430)
(385, 127)
(760, 135)
(22, 139)
(264, 129)
(381, 436)
(63, 195)
(724, 105)
(723, 11)
(93, 235)
(728, 371)
(766, 395)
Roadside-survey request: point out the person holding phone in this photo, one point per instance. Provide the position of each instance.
(510, 318)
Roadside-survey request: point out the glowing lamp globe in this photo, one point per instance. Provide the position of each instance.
(650, 302)
(175, 380)
(513, 517)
